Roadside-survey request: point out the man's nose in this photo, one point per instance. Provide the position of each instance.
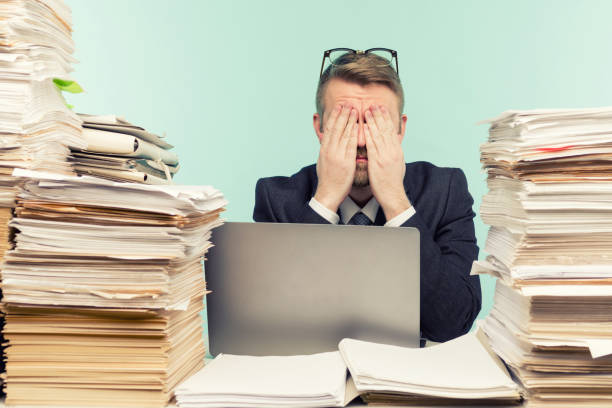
(360, 134)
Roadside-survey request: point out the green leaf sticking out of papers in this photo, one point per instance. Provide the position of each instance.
(67, 86)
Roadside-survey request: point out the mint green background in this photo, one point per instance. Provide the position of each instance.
(232, 83)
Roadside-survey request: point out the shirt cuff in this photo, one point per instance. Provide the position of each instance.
(325, 212)
(401, 218)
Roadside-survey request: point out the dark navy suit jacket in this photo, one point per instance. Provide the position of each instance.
(450, 298)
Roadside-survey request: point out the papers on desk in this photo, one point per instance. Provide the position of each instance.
(104, 287)
(120, 151)
(103, 290)
(549, 206)
(462, 371)
(129, 245)
(317, 380)
(100, 357)
(458, 371)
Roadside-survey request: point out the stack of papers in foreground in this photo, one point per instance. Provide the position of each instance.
(120, 151)
(317, 380)
(36, 126)
(100, 357)
(104, 289)
(461, 371)
(549, 206)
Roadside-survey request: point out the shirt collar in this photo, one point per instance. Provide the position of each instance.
(349, 208)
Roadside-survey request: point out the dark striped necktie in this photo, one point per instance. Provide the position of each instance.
(360, 219)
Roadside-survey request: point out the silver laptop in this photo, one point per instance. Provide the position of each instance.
(282, 289)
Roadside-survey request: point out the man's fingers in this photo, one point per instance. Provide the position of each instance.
(341, 122)
(378, 117)
(371, 142)
(389, 131)
(352, 122)
(348, 131)
(340, 134)
(371, 122)
(330, 122)
(351, 145)
(333, 116)
(375, 131)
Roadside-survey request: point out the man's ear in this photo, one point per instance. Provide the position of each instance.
(403, 121)
(316, 123)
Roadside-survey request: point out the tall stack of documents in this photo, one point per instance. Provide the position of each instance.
(36, 127)
(37, 130)
(103, 290)
(549, 206)
(120, 151)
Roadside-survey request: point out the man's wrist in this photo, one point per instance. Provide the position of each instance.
(324, 199)
(323, 211)
(395, 205)
(402, 218)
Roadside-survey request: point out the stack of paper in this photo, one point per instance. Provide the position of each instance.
(549, 206)
(100, 357)
(460, 372)
(108, 277)
(36, 126)
(120, 151)
(317, 380)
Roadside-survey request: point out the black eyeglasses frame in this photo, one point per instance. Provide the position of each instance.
(327, 53)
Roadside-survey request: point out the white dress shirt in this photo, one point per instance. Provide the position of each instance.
(348, 208)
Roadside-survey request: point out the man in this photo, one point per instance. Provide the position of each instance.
(361, 178)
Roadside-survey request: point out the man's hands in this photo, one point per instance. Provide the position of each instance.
(336, 164)
(386, 166)
(337, 159)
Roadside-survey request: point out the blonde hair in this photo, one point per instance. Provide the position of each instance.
(361, 69)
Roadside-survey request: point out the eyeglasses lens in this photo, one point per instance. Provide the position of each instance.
(386, 58)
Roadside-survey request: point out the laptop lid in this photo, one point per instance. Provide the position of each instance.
(282, 289)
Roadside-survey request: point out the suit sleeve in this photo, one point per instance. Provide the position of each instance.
(269, 207)
(263, 211)
(450, 298)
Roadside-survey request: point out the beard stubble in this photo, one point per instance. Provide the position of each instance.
(361, 169)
